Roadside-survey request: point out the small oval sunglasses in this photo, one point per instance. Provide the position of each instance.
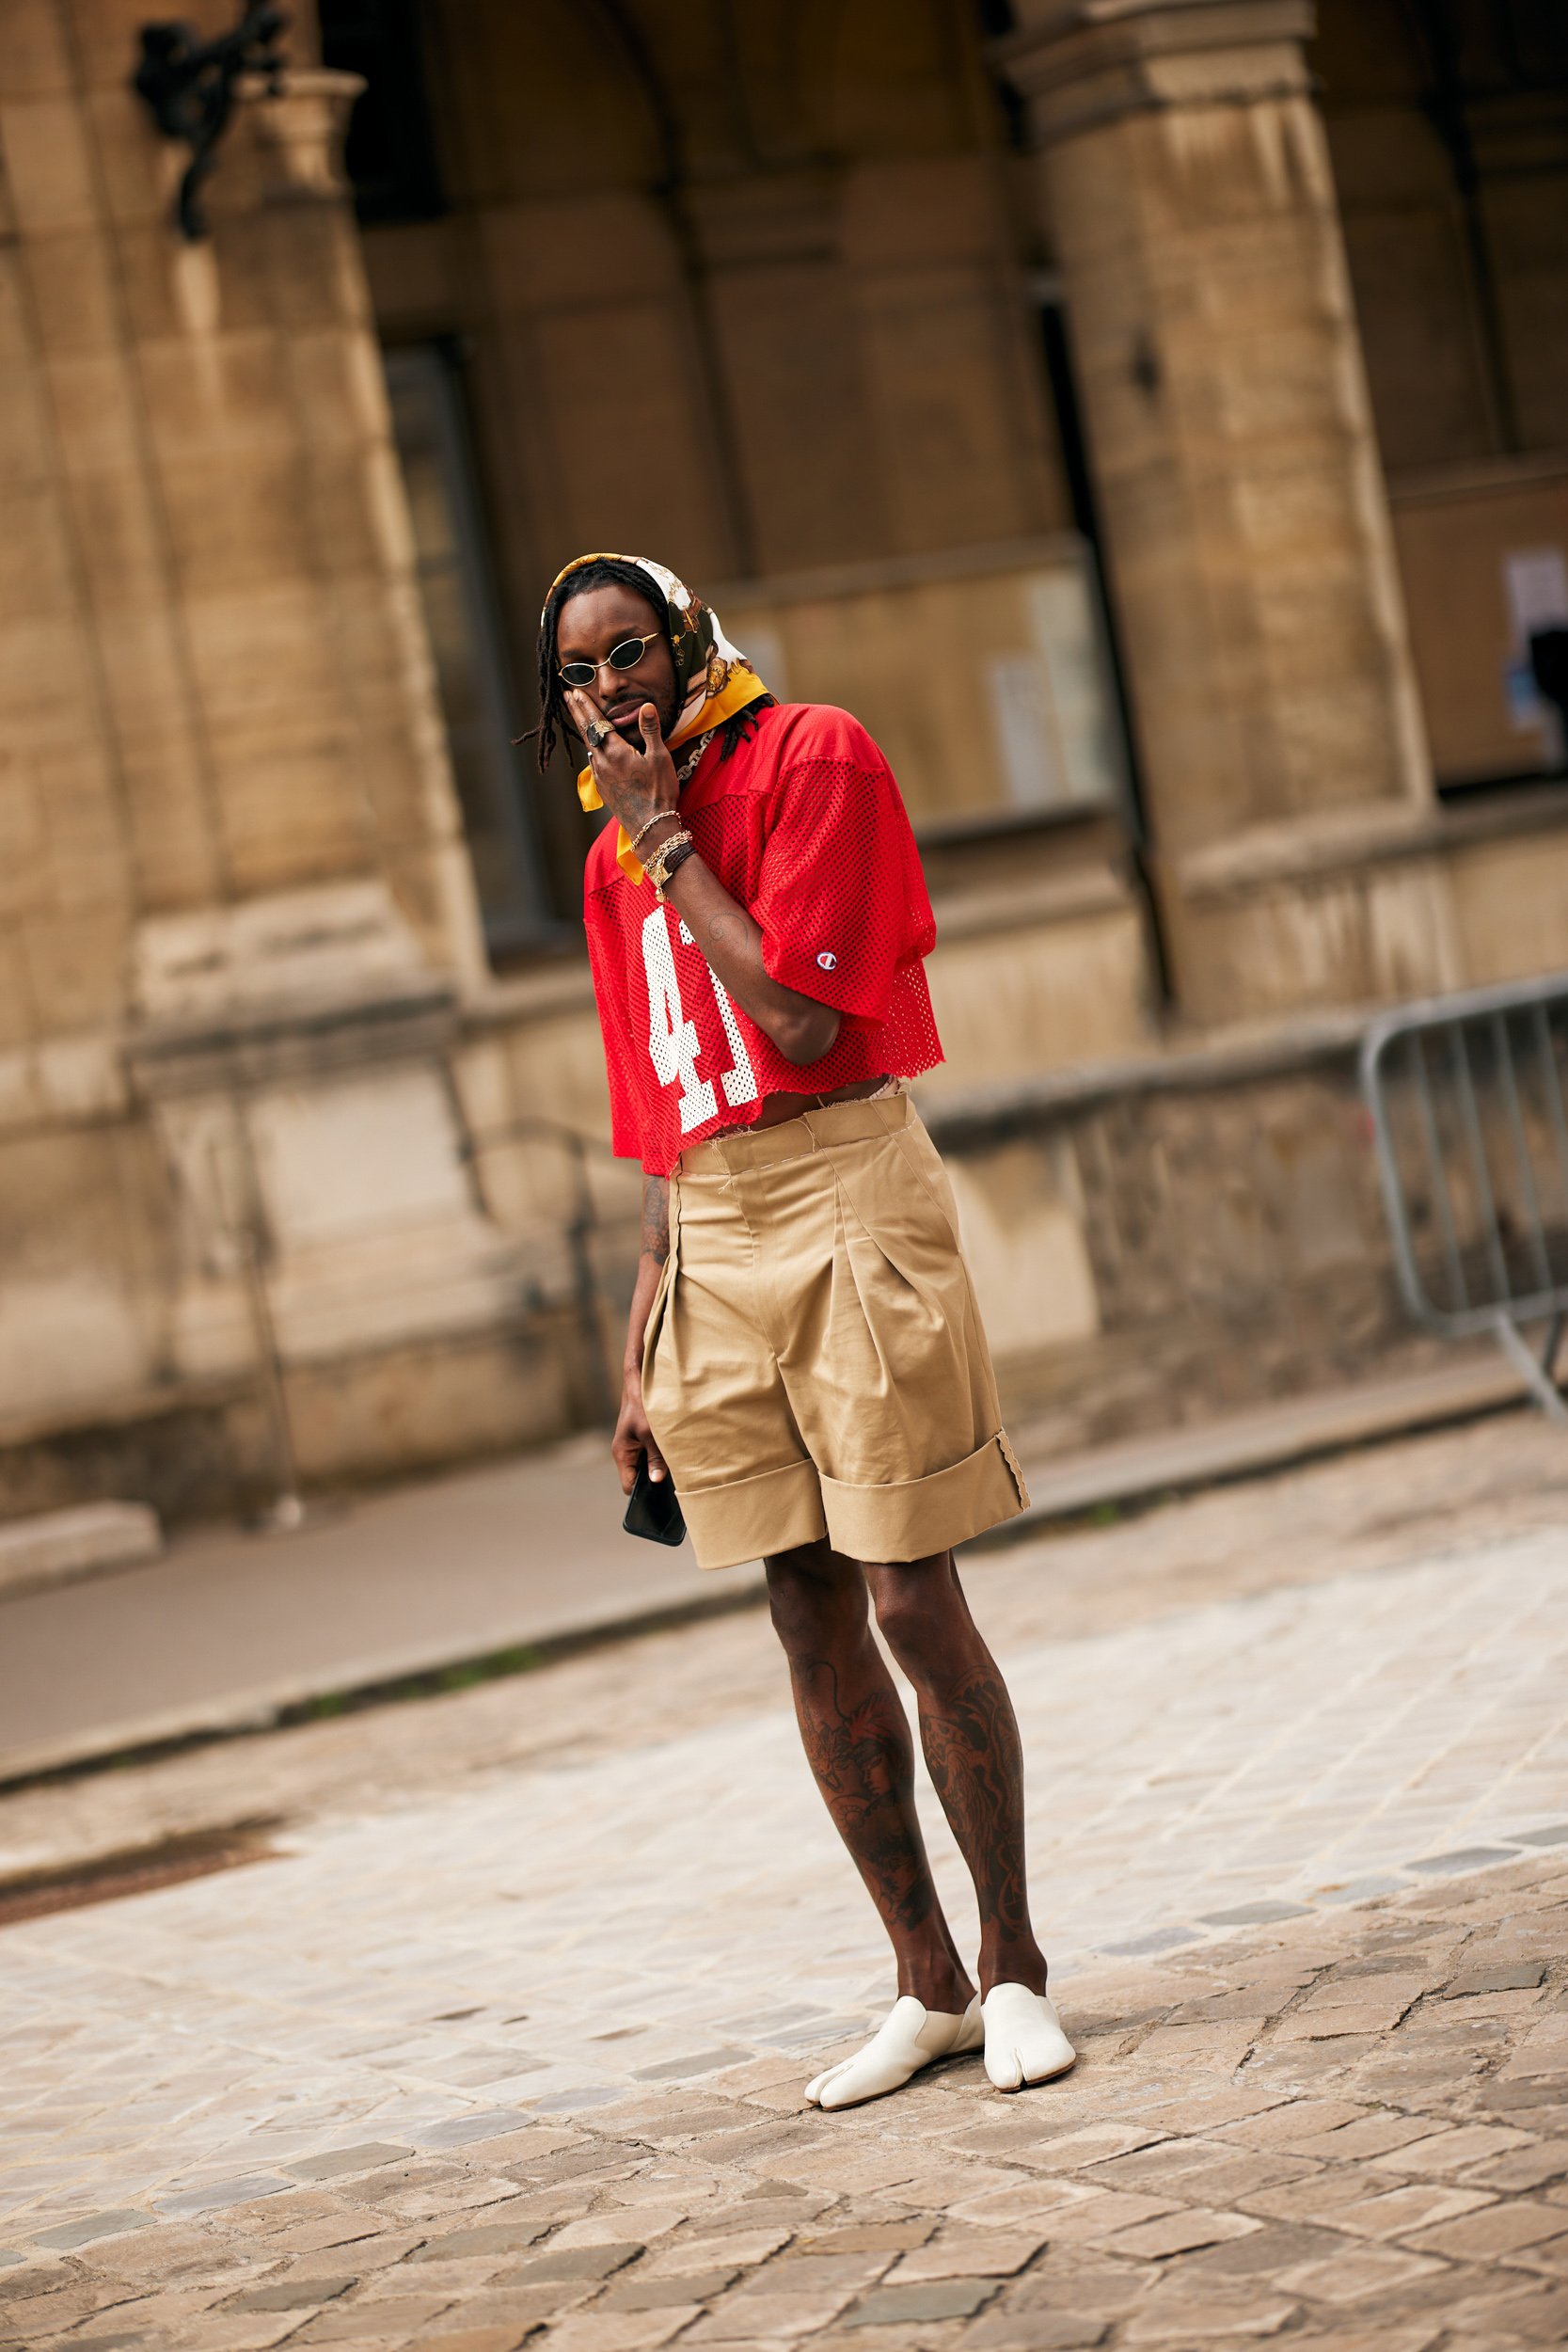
(626, 656)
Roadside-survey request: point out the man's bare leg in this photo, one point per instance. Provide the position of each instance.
(970, 1736)
(857, 1742)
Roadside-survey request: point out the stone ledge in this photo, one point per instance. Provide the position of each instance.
(58, 1547)
(505, 1004)
(1351, 841)
(1229, 1058)
(1058, 898)
(252, 1046)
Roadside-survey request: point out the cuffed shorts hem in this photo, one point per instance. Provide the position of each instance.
(906, 1521)
(920, 1515)
(773, 1512)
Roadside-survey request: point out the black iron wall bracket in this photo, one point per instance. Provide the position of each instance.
(188, 84)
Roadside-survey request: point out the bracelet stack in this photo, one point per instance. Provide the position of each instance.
(665, 859)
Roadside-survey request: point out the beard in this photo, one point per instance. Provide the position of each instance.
(631, 732)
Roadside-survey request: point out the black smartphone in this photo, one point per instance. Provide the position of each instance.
(654, 1509)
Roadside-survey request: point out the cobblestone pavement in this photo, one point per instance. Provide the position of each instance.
(510, 2034)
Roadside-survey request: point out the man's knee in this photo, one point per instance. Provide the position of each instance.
(921, 1615)
(813, 1595)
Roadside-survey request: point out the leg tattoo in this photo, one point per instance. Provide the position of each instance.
(970, 1736)
(862, 1759)
(976, 1760)
(857, 1742)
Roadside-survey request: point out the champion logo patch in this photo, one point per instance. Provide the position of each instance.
(827, 960)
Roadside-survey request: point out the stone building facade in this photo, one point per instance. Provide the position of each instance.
(1149, 413)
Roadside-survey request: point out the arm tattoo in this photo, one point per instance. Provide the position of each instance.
(721, 926)
(656, 1217)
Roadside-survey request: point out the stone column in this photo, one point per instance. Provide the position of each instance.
(236, 910)
(1186, 185)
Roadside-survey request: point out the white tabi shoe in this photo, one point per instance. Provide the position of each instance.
(910, 2038)
(1024, 2041)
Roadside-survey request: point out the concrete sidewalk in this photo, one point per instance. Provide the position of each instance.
(228, 1630)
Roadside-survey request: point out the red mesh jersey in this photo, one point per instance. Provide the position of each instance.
(803, 825)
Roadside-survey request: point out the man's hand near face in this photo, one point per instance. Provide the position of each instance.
(632, 769)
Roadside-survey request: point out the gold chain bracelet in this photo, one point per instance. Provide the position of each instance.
(657, 866)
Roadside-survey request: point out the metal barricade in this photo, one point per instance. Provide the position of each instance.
(1469, 1096)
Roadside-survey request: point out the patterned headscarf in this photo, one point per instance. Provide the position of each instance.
(715, 679)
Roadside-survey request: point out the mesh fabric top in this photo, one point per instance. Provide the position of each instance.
(803, 825)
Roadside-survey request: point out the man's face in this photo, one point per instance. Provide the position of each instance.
(590, 626)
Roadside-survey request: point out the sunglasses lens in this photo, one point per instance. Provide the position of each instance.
(628, 654)
(577, 673)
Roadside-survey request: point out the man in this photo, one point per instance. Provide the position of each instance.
(805, 1355)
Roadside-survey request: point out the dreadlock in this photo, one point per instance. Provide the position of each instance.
(608, 571)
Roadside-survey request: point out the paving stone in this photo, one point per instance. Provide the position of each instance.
(1498, 2232)
(217, 2194)
(1439, 2153)
(1002, 2330)
(1256, 1915)
(678, 2070)
(1535, 2314)
(486, 2237)
(1335, 2025)
(501, 2339)
(394, 2315)
(1180, 2232)
(738, 2249)
(753, 2318)
(332, 2162)
(577, 2262)
(1530, 2166)
(1516, 1980)
(1402, 2212)
(462, 2128)
(651, 2294)
(1416, 2339)
(883, 2237)
(936, 2299)
(291, 2295)
(989, 2254)
(517, 2307)
(596, 2331)
(1463, 1859)
(1172, 2314)
(1361, 2275)
(92, 2226)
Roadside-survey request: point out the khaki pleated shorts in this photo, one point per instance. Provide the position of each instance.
(814, 1362)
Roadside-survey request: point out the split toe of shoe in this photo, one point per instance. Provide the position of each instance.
(910, 2036)
(1024, 2041)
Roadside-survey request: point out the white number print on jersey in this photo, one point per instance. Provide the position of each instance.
(672, 1041)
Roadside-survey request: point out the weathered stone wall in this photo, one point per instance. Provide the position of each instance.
(1181, 1238)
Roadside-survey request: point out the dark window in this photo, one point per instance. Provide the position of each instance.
(456, 589)
(390, 156)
